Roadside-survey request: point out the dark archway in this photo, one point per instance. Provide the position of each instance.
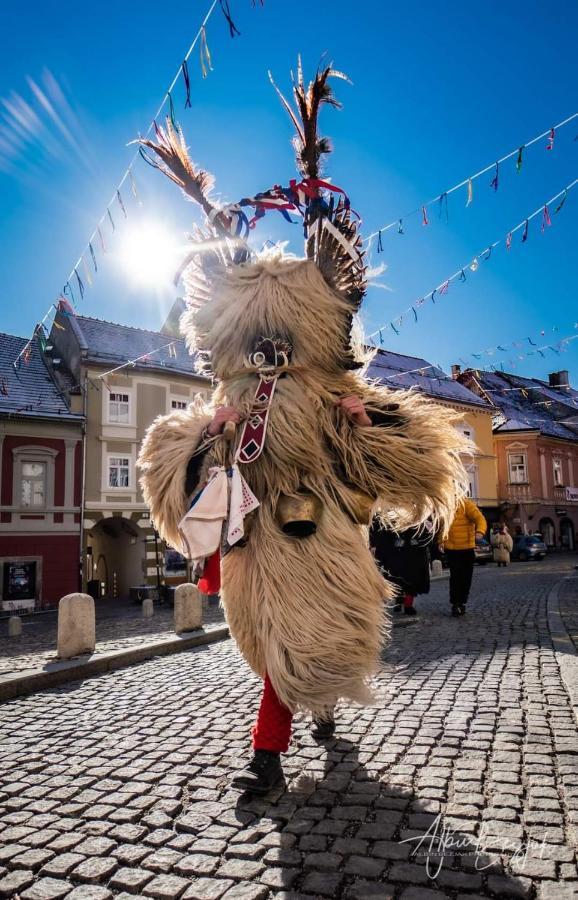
(547, 529)
(567, 536)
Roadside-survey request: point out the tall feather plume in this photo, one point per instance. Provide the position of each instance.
(173, 160)
(309, 146)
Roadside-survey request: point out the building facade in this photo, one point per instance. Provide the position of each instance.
(121, 549)
(536, 445)
(41, 444)
(396, 370)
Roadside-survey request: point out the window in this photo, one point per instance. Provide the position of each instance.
(118, 471)
(33, 484)
(118, 409)
(472, 484)
(558, 477)
(518, 468)
(179, 404)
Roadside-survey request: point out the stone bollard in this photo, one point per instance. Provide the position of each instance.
(188, 608)
(76, 626)
(14, 626)
(436, 568)
(148, 608)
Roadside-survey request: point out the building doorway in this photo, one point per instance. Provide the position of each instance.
(548, 532)
(567, 538)
(117, 550)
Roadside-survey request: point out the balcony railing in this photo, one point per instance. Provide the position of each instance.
(519, 492)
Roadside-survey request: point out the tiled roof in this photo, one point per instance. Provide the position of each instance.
(396, 370)
(112, 344)
(528, 411)
(28, 390)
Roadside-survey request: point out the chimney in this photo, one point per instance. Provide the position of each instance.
(456, 371)
(559, 379)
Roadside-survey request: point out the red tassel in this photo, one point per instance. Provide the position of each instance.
(210, 580)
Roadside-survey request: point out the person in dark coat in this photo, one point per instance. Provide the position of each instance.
(404, 556)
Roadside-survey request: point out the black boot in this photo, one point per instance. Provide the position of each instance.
(461, 610)
(455, 611)
(263, 773)
(323, 729)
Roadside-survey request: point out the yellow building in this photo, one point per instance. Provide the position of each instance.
(121, 550)
(396, 370)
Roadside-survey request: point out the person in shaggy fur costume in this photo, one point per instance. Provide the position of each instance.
(279, 508)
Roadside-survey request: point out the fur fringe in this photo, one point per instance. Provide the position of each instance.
(169, 444)
(308, 611)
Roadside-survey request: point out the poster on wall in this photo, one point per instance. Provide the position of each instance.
(19, 585)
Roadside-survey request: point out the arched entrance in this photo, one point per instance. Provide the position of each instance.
(118, 554)
(548, 532)
(567, 539)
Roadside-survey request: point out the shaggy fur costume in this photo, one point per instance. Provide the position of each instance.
(307, 611)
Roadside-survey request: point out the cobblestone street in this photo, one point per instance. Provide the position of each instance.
(118, 785)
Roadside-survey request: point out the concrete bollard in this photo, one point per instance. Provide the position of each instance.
(148, 608)
(14, 626)
(436, 568)
(76, 626)
(188, 608)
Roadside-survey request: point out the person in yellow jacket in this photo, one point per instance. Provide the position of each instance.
(459, 543)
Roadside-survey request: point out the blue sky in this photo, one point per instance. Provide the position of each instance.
(439, 91)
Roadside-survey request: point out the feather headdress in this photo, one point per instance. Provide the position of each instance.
(332, 238)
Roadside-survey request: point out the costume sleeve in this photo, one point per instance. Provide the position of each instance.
(409, 460)
(168, 447)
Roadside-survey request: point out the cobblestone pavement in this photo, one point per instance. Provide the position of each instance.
(118, 785)
(117, 628)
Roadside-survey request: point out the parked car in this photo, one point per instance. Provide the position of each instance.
(528, 546)
(483, 551)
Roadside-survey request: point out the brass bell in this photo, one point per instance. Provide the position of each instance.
(359, 506)
(298, 515)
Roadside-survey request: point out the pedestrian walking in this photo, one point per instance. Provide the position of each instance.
(459, 543)
(501, 541)
(404, 559)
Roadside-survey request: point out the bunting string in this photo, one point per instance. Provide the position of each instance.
(473, 264)
(468, 182)
(117, 201)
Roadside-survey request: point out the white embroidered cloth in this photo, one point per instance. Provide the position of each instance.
(243, 501)
(201, 527)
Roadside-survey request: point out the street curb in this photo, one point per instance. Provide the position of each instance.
(32, 680)
(566, 653)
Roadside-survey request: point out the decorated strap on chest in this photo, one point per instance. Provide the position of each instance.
(254, 430)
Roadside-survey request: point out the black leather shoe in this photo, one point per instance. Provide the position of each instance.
(263, 773)
(455, 611)
(461, 610)
(323, 729)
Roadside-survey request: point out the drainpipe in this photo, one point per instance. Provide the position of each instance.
(83, 484)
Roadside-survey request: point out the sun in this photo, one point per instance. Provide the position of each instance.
(150, 254)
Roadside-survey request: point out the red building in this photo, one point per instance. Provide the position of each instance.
(41, 445)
